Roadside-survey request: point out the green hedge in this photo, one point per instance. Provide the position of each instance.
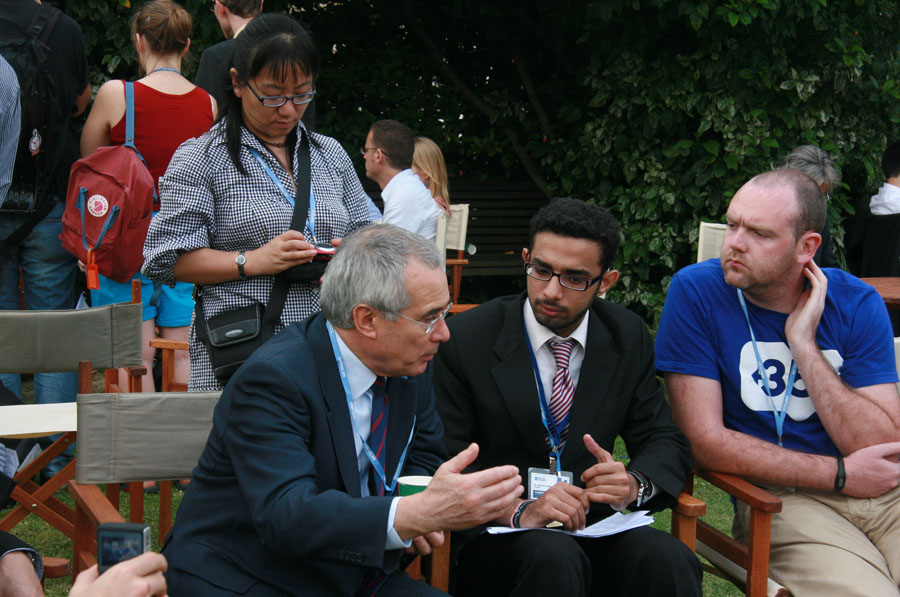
(658, 109)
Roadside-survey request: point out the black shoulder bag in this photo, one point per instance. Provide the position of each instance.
(232, 336)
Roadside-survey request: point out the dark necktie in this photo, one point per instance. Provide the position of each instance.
(378, 433)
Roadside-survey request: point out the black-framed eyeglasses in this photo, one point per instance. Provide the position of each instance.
(276, 101)
(432, 323)
(545, 274)
(364, 150)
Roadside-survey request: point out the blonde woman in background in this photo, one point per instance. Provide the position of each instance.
(428, 164)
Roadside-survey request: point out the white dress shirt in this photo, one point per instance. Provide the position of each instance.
(408, 203)
(360, 379)
(539, 336)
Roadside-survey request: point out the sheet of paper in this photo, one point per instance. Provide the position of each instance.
(616, 523)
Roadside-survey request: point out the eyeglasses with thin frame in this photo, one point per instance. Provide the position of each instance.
(432, 323)
(276, 101)
(365, 150)
(545, 274)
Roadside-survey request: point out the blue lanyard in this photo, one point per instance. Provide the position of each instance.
(373, 460)
(780, 415)
(552, 427)
(311, 216)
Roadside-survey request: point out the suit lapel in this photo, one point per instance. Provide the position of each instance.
(514, 378)
(401, 395)
(600, 361)
(336, 402)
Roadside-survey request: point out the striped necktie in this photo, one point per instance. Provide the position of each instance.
(378, 433)
(563, 388)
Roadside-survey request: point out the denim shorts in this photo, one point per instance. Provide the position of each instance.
(170, 307)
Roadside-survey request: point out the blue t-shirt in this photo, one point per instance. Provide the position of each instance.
(703, 332)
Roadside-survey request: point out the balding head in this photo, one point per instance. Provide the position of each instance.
(809, 201)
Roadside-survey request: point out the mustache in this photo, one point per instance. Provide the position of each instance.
(551, 304)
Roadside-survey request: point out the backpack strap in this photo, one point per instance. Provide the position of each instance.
(129, 130)
(129, 117)
(43, 22)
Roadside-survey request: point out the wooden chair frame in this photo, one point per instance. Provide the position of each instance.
(746, 566)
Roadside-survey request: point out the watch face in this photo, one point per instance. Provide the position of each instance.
(241, 259)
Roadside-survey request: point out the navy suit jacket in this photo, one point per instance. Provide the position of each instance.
(275, 497)
(486, 393)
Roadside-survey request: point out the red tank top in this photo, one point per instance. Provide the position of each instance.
(162, 122)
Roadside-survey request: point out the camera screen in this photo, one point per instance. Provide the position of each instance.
(115, 547)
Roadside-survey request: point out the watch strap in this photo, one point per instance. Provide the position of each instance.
(240, 260)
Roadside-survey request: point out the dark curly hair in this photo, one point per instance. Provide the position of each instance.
(579, 219)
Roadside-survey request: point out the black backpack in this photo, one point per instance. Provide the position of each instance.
(39, 148)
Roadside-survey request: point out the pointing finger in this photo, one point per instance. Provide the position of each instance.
(594, 448)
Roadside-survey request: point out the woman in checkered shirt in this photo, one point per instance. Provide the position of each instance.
(224, 221)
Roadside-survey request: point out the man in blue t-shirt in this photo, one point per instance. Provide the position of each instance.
(784, 373)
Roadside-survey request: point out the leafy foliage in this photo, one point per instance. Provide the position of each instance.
(657, 109)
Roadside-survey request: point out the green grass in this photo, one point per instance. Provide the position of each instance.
(719, 513)
(50, 542)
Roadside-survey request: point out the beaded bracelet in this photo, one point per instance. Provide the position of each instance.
(514, 520)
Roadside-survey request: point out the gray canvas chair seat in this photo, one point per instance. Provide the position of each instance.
(134, 437)
(144, 436)
(51, 341)
(54, 341)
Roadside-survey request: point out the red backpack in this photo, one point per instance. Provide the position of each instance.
(109, 204)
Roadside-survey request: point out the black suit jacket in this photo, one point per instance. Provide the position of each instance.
(275, 496)
(487, 393)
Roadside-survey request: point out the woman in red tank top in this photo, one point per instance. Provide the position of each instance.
(169, 109)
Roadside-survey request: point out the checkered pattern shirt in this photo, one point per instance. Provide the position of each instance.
(207, 203)
(10, 121)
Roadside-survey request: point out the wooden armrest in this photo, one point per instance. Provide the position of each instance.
(465, 307)
(688, 505)
(756, 497)
(93, 503)
(168, 344)
(457, 262)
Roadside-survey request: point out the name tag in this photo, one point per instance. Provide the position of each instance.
(541, 479)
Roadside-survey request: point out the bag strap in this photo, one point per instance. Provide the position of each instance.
(129, 117)
(280, 288)
(301, 208)
(43, 22)
(129, 130)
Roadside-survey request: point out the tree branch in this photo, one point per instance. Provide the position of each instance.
(472, 98)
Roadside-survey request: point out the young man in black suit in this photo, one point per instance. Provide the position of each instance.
(546, 380)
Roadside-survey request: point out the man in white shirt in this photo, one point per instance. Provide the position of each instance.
(887, 200)
(407, 202)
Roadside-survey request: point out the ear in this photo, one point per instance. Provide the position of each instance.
(364, 320)
(187, 47)
(609, 280)
(525, 255)
(807, 245)
(236, 82)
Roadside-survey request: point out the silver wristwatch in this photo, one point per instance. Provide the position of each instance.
(644, 489)
(241, 259)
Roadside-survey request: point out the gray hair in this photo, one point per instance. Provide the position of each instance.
(815, 163)
(370, 268)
